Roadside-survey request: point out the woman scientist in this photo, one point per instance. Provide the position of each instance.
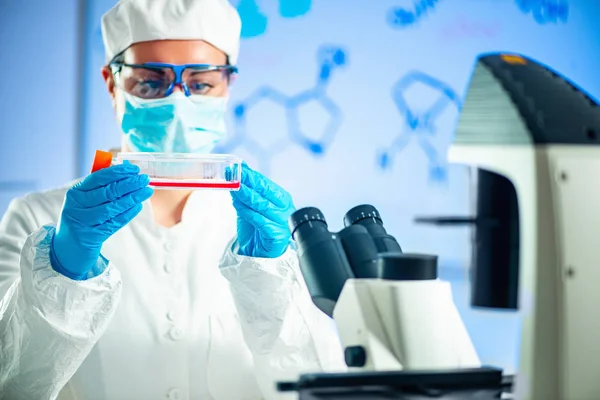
(186, 296)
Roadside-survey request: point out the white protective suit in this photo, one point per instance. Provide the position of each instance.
(173, 316)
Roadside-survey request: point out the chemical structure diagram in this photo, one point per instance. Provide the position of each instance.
(330, 58)
(400, 17)
(420, 125)
(255, 22)
(545, 11)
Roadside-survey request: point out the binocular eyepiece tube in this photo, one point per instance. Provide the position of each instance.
(362, 250)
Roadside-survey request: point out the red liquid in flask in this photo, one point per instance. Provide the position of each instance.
(196, 185)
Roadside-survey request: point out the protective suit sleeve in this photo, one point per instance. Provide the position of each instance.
(48, 322)
(286, 333)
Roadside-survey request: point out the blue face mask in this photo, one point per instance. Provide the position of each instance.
(175, 124)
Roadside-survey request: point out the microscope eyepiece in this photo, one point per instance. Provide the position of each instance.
(369, 217)
(304, 215)
(364, 213)
(328, 259)
(323, 261)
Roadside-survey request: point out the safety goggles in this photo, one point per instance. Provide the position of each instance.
(158, 80)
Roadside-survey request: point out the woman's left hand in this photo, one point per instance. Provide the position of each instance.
(263, 209)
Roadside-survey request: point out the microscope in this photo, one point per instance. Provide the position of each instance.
(531, 140)
(397, 321)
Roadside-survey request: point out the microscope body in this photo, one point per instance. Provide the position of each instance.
(391, 310)
(393, 325)
(530, 137)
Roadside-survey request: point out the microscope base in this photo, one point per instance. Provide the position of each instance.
(465, 384)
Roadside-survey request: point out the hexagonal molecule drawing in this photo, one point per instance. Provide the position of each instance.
(420, 125)
(401, 17)
(330, 59)
(545, 11)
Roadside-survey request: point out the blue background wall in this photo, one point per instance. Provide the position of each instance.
(40, 64)
(333, 101)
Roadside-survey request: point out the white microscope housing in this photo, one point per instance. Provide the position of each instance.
(393, 325)
(532, 139)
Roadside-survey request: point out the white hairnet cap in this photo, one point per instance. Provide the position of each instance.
(132, 21)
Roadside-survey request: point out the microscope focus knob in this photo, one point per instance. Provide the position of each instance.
(356, 356)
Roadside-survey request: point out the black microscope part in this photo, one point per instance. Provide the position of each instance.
(407, 267)
(369, 217)
(360, 213)
(355, 356)
(323, 262)
(303, 215)
(362, 250)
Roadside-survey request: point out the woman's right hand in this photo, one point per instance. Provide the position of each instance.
(94, 209)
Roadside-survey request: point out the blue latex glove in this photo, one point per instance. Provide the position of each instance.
(263, 209)
(94, 209)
